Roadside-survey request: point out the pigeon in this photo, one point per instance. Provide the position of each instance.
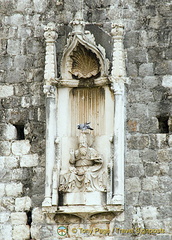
(84, 126)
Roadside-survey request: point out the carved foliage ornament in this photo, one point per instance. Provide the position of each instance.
(85, 63)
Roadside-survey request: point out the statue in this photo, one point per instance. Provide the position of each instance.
(85, 173)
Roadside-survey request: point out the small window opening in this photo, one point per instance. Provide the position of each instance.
(163, 124)
(29, 218)
(29, 221)
(20, 131)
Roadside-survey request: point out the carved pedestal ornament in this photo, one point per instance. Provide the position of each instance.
(85, 124)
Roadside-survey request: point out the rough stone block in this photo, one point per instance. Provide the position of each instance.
(46, 231)
(131, 39)
(164, 168)
(37, 216)
(21, 232)
(23, 204)
(2, 189)
(167, 81)
(160, 198)
(149, 213)
(134, 170)
(11, 162)
(165, 183)
(164, 155)
(137, 55)
(149, 125)
(170, 140)
(5, 148)
(153, 224)
(35, 231)
(145, 198)
(155, 22)
(150, 82)
(146, 69)
(17, 19)
(24, 32)
(150, 183)
(133, 156)
(8, 203)
(36, 101)
(133, 184)
(16, 76)
(133, 125)
(25, 102)
(21, 147)
(5, 175)
(151, 169)
(163, 68)
(165, 212)
(13, 189)
(17, 174)
(18, 218)
(13, 47)
(19, 61)
(2, 159)
(132, 198)
(6, 91)
(4, 217)
(161, 140)
(23, 5)
(168, 225)
(138, 142)
(148, 155)
(163, 237)
(10, 132)
(132, 70)
(29, 160)
(40, 6)
(5, 232)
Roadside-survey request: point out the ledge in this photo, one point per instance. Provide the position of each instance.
(100, 81)
(84, 211)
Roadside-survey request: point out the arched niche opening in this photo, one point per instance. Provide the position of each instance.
(85, 64)
(77, 161)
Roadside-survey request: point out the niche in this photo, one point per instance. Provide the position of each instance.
(163, 124)
(20, 131)
(85, 64)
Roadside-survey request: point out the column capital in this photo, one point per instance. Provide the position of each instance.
(49, 90)
(50, 33)
(117, 30)
(117, 84)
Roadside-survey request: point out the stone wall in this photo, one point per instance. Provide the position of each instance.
(148, 166)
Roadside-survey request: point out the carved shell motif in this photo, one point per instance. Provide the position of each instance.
(85, 63)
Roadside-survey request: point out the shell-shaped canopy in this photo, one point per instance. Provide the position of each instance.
(85, 64)
(81, 59)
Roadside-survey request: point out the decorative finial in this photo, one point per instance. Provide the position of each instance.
(117, 30)
(50, 33)
(78, 23)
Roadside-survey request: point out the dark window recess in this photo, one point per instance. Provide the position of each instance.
(163, 124)
(29, 218)
(20, 131)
